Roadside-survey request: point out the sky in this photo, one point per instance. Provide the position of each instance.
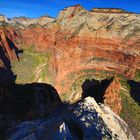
(36, 8)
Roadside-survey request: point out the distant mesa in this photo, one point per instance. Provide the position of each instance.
(2, 18)
(109, 10)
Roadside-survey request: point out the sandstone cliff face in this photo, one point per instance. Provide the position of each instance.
(84, 36)
(109, 10)
(8, 50)
(79, 39)
(112, 96)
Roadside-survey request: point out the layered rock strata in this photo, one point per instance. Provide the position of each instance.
(79, 39)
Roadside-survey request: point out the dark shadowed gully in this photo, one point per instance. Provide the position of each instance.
(95, 89)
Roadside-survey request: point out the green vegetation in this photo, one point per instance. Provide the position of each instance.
(137, 76)
(74, 81)
(97, 59)
(33, 25)
(130, 113)
(4, 24)
(77, 30)
(32, 67)
(64, 97)
(130, 109)
(124, 84)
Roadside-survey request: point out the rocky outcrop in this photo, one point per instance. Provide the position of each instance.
(8, 50)
(24, 21)
(29, 101)
(7, 46)
(84, 120)
(86, 36)
(26, 102)
(2, 18)
(88, 40)
(112, 96)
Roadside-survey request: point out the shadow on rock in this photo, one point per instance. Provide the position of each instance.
(95, 88)
(7, 77)
(135, 90)
(26, 102)
(20, 103)
(6, 74)
(13, 47)
(29, 101)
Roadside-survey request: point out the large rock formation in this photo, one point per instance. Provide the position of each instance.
(78, 40)
(109, 10)
(84, 120)
(29, 101)
(24, 22)
(104, 35)
(85, 36)
(7, 46)
(112, 96)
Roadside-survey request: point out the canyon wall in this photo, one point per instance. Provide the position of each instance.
(101, 39)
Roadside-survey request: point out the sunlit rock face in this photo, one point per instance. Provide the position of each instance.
(85, 35)
(84, 120)
(7, 47)
(24, 21)
(2, 18)
(112, 96)
(109, 10)
(78, 40)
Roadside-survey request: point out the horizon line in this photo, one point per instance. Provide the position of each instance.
(45, 14)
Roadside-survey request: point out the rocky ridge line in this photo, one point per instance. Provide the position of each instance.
(84, 120)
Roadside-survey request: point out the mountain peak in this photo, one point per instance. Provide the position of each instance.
(70, 12)
(78, 6)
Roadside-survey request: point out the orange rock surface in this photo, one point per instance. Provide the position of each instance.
(79, 39)
(112, 96)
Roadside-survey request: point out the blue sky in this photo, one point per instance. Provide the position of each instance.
(36, 8)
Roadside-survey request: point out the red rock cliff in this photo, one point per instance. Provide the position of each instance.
(79, 39)
(112, 96)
